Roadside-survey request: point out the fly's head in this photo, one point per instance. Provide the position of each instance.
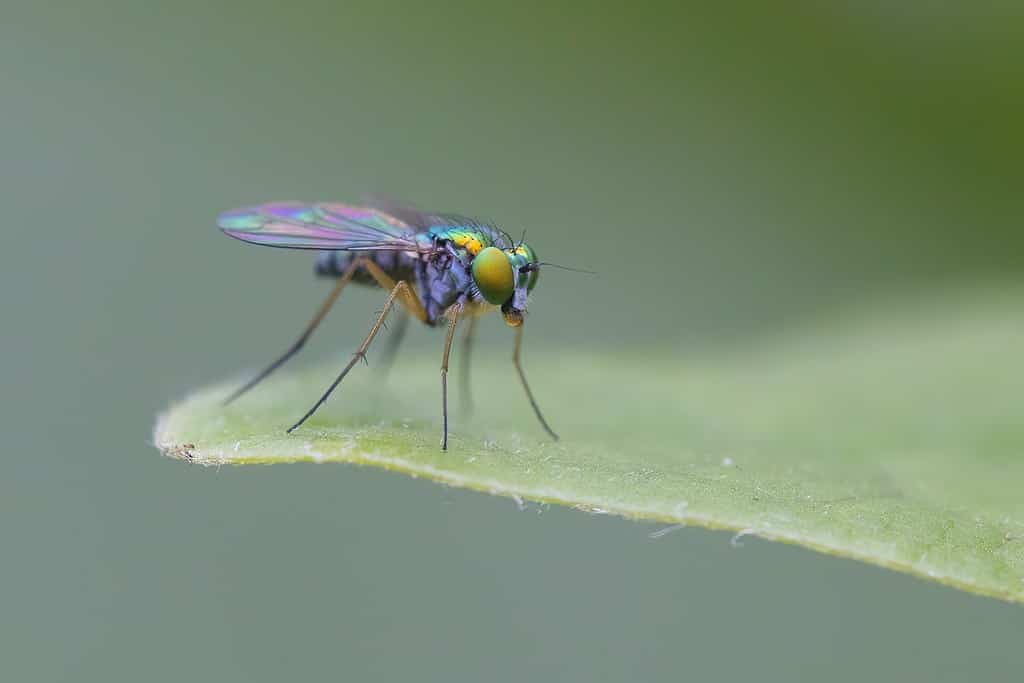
(505, 277)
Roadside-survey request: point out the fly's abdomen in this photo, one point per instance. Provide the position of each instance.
(397, 264)
(332, 263)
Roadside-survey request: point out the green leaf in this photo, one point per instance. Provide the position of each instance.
(896, 437)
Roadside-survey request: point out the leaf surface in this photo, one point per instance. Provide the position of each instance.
(896, 438)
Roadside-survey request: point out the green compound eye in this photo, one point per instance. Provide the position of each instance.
(534, 271)
(525, 259)
(493, 275)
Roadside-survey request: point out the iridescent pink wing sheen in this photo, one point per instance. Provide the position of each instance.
(328, 226)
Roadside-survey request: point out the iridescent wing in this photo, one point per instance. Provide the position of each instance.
(422, 220)
(329, 226)
(414, 218)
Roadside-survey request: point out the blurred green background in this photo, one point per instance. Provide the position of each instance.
(733, 173)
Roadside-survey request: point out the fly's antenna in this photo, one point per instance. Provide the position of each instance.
(574, 270)
(529, 267)
(522, 239)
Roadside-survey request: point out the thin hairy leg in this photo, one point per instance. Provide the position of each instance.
(526, 386)
(360, 353)
(320, 314)
(453, 319)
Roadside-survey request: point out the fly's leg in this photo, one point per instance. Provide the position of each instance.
(321, 312)
(387, 358)
(410, 302)
(408, 296)
(522, 378)
(398, 289)
(453, 319)
(465, 394)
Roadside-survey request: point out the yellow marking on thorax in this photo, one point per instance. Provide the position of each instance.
(467, 241)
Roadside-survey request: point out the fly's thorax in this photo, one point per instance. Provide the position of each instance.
(471, 240)
(442, 279)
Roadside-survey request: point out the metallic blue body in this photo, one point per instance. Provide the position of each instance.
(440, 270)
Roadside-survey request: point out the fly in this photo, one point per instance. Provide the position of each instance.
(440, 268)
